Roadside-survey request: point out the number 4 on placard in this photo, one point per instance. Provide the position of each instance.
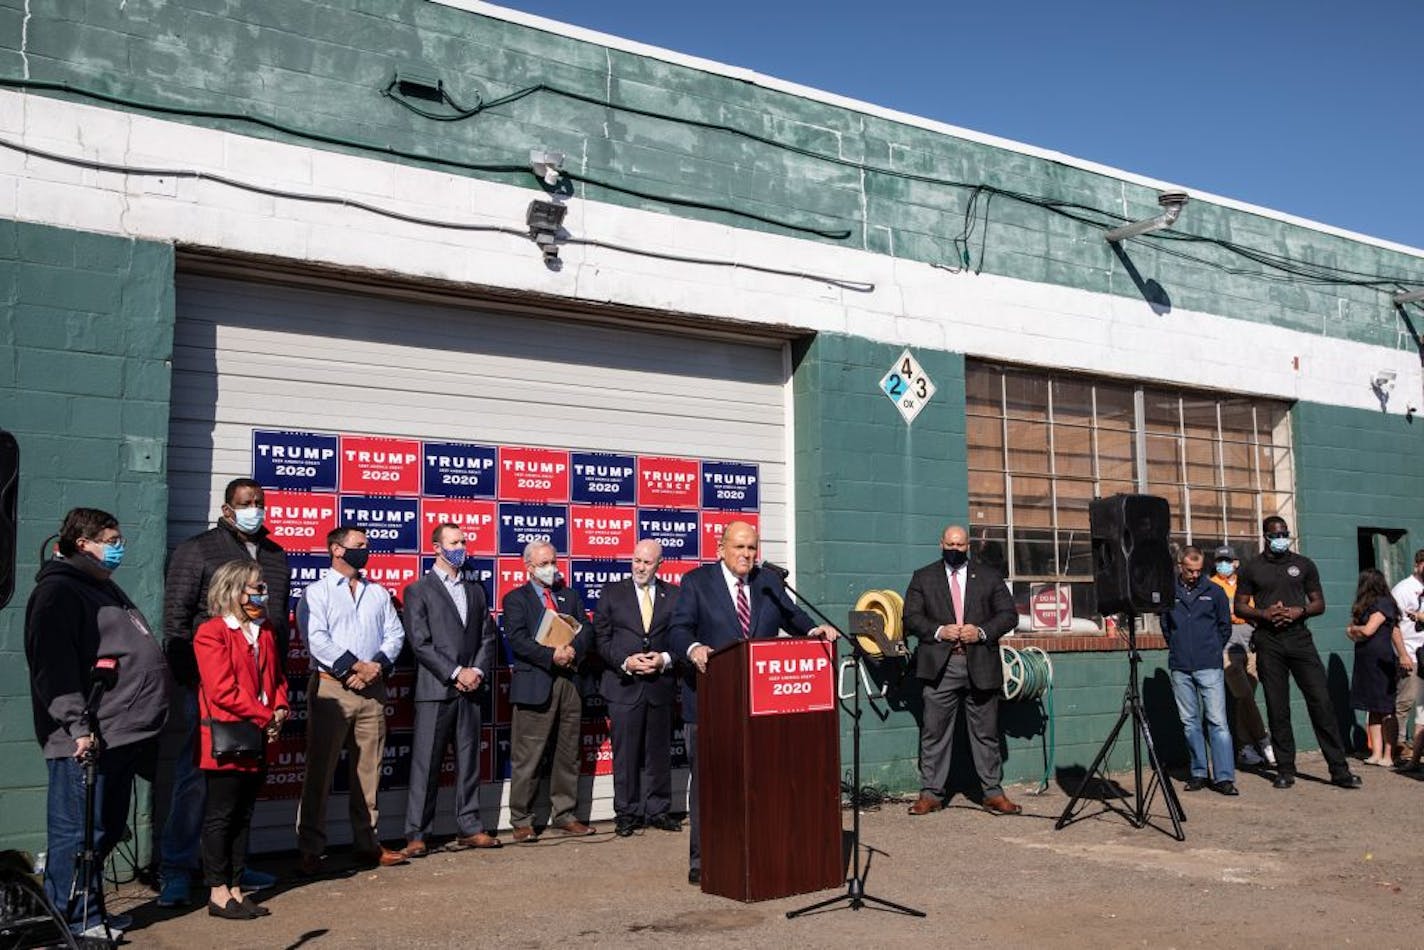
(907, 386)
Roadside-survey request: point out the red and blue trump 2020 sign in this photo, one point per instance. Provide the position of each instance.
(459, 470)
(371, 466)
(295, 461)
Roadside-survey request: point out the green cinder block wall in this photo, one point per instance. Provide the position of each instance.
(86, 337)
(872, 495)
(319, 67)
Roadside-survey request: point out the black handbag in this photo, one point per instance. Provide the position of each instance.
(234, 738)
(1419, 662)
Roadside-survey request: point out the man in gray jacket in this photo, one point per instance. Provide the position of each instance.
(75, 615)
(452, 634)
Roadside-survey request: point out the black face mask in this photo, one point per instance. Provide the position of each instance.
(356, 557)
(954, 557)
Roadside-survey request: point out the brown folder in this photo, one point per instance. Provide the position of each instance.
(556, 630)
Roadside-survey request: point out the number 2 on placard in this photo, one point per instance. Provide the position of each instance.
(895, 385)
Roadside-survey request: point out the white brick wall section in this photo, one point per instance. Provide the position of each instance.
(913, 304)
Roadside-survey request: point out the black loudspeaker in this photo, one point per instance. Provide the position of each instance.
(1132, 560)
(9, 522)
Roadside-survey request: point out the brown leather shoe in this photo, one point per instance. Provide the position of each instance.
(1000, 805)
(414, 848)
(574, 827)
(926, 804)
(479, 840)
(523, 834)
(385, 858)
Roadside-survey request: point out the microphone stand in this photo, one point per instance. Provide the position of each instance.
(87, 863)
(855, 894)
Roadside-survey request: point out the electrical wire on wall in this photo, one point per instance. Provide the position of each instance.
(393, 214)
(975, 220)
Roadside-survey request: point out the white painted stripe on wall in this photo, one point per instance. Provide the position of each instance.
(742, 74)
(913, 304)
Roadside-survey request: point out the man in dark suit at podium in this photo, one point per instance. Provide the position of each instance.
(958, 611)
(450, 630)
(545, 694)
(630, 628)
(718, 605)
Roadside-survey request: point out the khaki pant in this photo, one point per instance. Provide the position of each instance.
(558, 721)
(340, 718)
(1246, 725)
(1404, 703)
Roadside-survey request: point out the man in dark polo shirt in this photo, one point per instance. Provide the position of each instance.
(1276, 592)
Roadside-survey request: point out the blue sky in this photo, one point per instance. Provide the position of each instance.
(1309, 107)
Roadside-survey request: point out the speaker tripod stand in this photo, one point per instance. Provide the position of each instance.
(1140, 815)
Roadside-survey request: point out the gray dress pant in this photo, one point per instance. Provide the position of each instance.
(942, 702)
(436, 721)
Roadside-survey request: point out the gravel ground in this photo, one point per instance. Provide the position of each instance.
(1314, 866)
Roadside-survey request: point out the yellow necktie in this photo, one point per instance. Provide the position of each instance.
(645, 603)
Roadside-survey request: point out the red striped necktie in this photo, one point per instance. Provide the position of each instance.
(744, 609)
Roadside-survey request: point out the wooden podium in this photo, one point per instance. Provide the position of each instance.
(768, 774)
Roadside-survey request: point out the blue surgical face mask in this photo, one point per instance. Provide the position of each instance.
(453, 556)
(1279, 545)
(249, 520)
(257, 600)
(113, 556)
(1225, 568)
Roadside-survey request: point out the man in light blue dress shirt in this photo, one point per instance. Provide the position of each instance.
(353, 635)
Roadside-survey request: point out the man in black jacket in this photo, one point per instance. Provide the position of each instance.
(239, 533)
(630, 628)
(958, 610)
(75, 615)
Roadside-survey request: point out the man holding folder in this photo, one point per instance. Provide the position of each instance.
(544, 691)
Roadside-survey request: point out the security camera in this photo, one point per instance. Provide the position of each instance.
(1384, 380)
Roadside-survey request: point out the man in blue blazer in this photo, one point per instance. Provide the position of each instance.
(545, 694)
(630, 627)
(718, 605)
(450, 630)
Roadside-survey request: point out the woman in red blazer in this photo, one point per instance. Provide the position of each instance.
(240, 680)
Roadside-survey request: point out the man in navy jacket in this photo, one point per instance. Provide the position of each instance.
(1197, 629)
(544, 690)
(719, 604)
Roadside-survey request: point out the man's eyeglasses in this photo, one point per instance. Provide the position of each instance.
(1278, 534)
(119, 540)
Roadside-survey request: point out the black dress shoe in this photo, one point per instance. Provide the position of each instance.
(254, 908)
(1194, 784)
(694, 875)
(625, 827)
(1283, 780)
(232, 910)
(1348, 780)
(1225, 788)
(664, 823)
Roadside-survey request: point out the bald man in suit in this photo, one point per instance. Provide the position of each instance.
(958, 610)
(630, 630)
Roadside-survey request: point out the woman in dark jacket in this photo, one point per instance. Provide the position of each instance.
(240, 683)
(1379, 644)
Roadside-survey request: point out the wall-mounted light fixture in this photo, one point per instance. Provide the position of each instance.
(1172, 203)
(546, 164)
(545, 218)
(415, 84)
(1409, 296)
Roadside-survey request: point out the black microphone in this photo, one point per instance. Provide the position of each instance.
(105, 672)
(776, 569)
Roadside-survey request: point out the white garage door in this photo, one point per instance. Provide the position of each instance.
(252, 355)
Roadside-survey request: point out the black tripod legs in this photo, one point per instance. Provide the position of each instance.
(1140, 815)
